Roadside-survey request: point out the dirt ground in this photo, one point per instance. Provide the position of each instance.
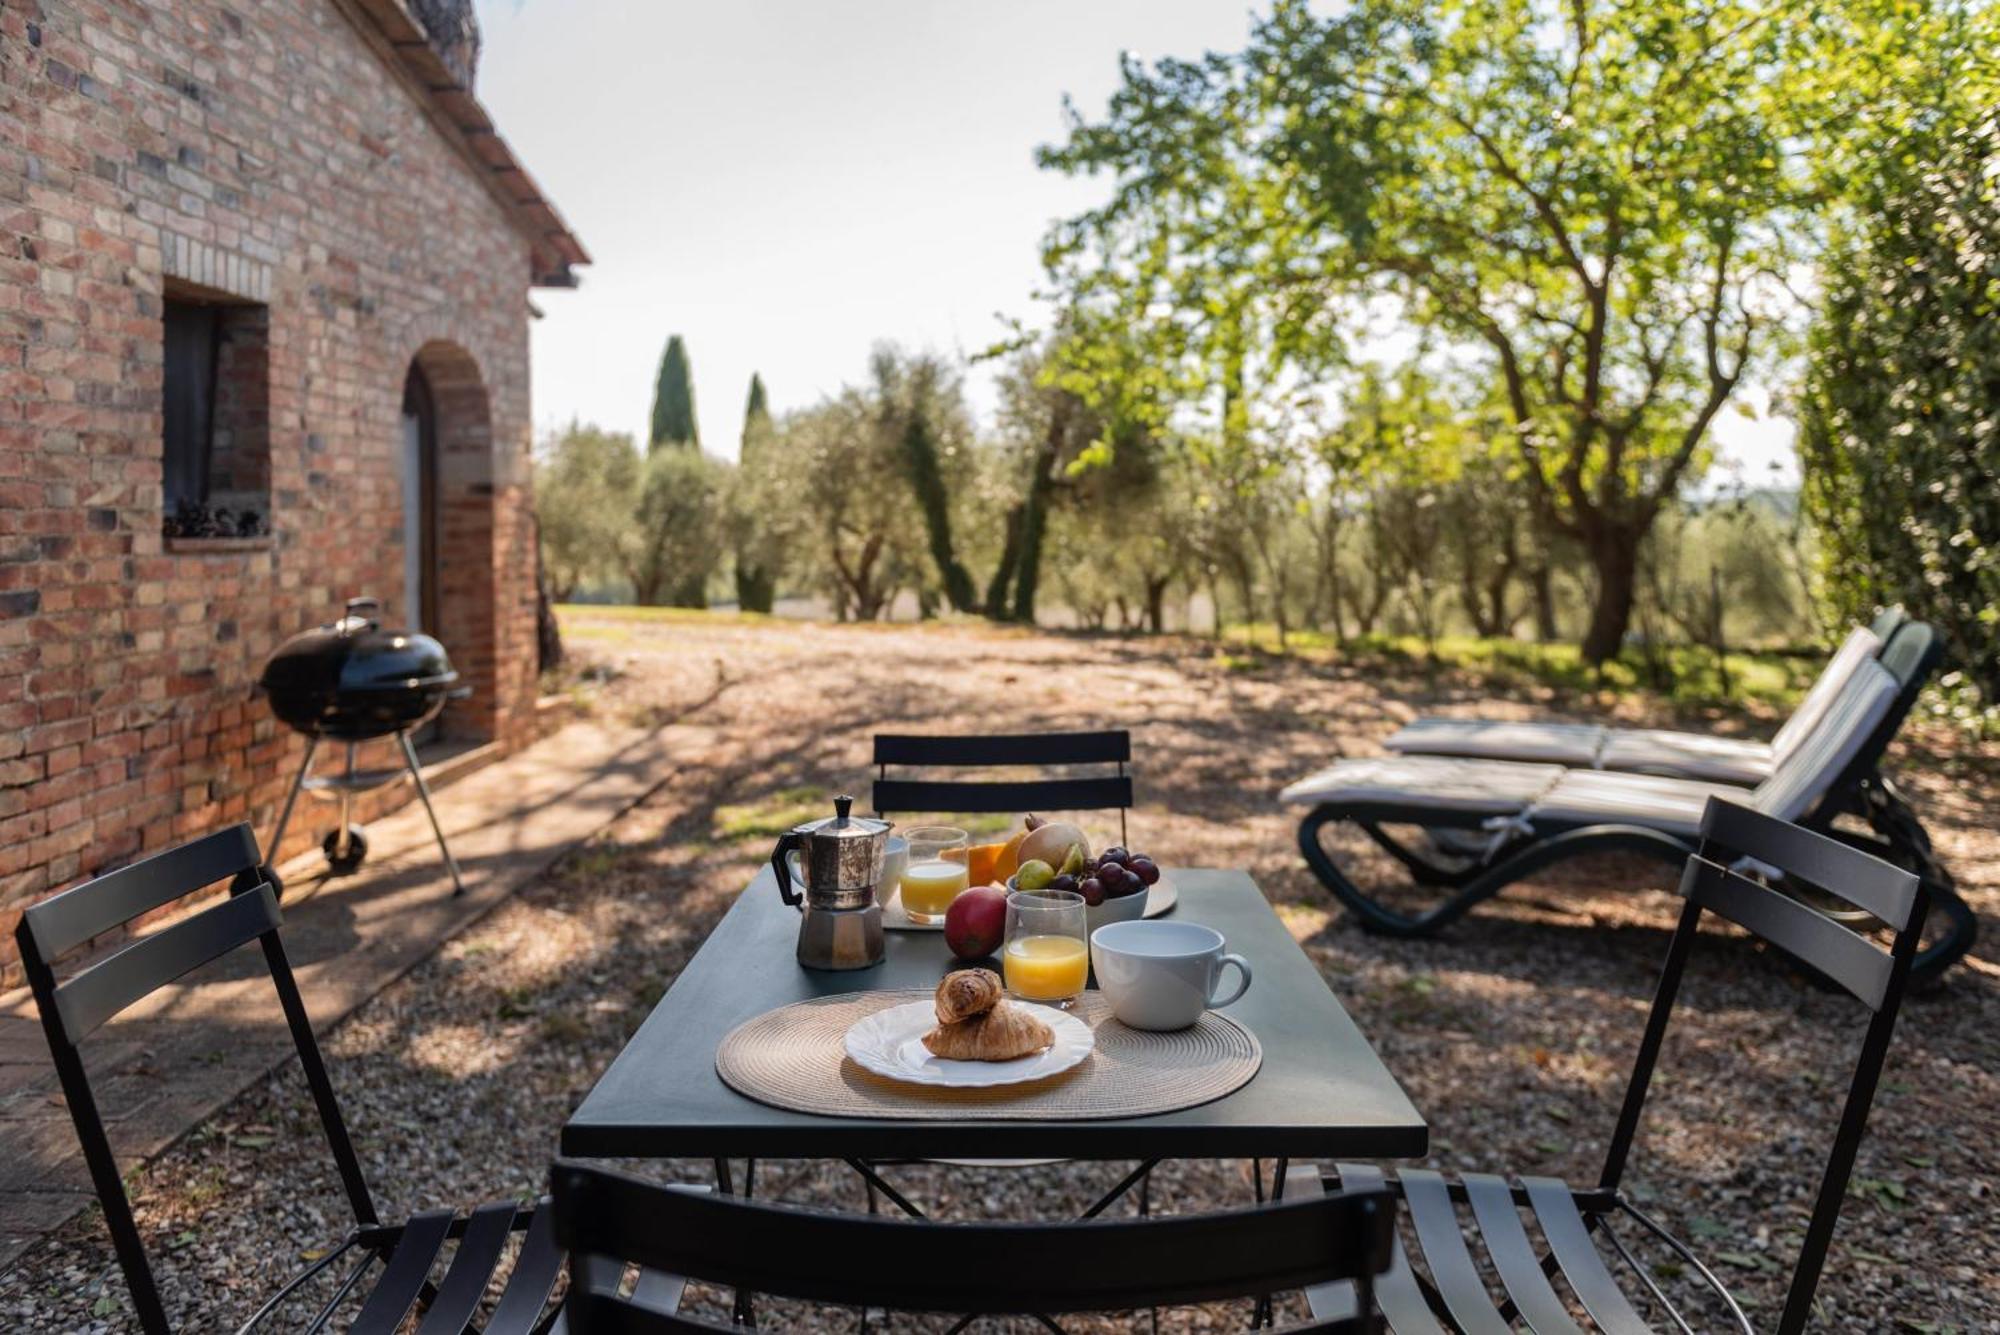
(1513, 1033)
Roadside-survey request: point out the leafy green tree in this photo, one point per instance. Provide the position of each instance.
(863, 544)
(673, 400)
(585, 480)
(760, 506)
(922, 406)
(676, 540)
(1076, 421)
(1900, 435)
(1599, 197)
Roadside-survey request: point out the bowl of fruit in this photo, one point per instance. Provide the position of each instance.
(1113, 883)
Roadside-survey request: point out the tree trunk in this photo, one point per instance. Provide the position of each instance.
(1614, 556)
(1010, 558)
(755, 589)
(690, 592)
(927, 480)
(1156, 604)
(1034, 525)
(1542, 583)
(548, 636)
(1246, 587)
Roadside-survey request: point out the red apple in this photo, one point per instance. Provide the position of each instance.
(976, 921)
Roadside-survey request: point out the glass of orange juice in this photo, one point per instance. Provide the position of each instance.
(1047, 955)
(935, 872)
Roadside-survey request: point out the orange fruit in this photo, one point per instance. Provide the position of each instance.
(982, 861)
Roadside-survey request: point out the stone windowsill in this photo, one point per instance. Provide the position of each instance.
(219, 546)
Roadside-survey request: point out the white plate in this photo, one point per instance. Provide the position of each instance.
(890, 1043)
(1161, 896)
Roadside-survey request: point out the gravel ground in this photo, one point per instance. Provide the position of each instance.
(1514, 1033)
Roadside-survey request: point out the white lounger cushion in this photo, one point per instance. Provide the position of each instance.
(1690, 755)
(1428, 783)
(1573, 744)
(1804, 775)
(1862, 645)
(1532, 794)
(1601, 797)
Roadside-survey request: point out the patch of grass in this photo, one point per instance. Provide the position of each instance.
(581, 614)
(772, 815)
(595, 859)
(1685, 675)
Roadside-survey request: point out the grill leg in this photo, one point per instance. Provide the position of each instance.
(424, 792)
(291, 796)
(340, 842)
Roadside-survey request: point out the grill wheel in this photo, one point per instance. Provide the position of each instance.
(357, 848)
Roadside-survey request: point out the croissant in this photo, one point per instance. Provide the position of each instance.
(998, 1035)
(966, 993)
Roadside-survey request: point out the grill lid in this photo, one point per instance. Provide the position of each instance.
(354, 655)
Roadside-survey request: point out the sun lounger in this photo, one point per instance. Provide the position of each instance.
(1490, 823)
(1687, 755)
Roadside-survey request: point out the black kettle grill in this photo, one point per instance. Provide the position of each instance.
(352, 681)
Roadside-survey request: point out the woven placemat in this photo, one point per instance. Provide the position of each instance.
(794, 1058)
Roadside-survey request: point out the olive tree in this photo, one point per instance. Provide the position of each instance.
(1601, 198)
(585, 479)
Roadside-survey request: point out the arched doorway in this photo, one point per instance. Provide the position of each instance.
(449, 581)
(420, 503)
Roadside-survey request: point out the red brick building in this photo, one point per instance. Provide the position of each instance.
(264, 304)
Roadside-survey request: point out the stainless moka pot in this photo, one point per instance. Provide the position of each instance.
(840, 859)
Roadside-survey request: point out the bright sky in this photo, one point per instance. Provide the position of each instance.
(785, 182)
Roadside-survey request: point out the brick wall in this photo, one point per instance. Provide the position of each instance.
(267, 152)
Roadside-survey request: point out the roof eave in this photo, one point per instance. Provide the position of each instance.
(401, 41)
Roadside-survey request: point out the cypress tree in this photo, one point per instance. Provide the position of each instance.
(673, 400)
(756, 578)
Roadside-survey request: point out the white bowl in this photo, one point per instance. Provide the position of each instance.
(1122, 909)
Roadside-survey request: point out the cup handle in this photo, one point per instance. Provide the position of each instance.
(1242, 982)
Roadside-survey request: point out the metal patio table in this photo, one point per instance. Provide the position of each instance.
(1321, 1093)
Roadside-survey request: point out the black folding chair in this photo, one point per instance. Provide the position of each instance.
(1022, 750)
(609, 1222)
(1746, 869)
(1104, 792)
(73, 1009)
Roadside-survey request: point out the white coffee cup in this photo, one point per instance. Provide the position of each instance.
(895, 854)
(1162, 974)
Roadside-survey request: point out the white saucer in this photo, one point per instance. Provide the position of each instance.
(890, 1043)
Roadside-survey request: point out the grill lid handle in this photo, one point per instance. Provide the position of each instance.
(365, 610)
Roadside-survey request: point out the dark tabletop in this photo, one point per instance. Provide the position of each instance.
(1322, 1093)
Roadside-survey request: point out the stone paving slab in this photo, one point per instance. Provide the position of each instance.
(188, 1050)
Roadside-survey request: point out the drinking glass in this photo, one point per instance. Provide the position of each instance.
(1047, 955)
(935, 872)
